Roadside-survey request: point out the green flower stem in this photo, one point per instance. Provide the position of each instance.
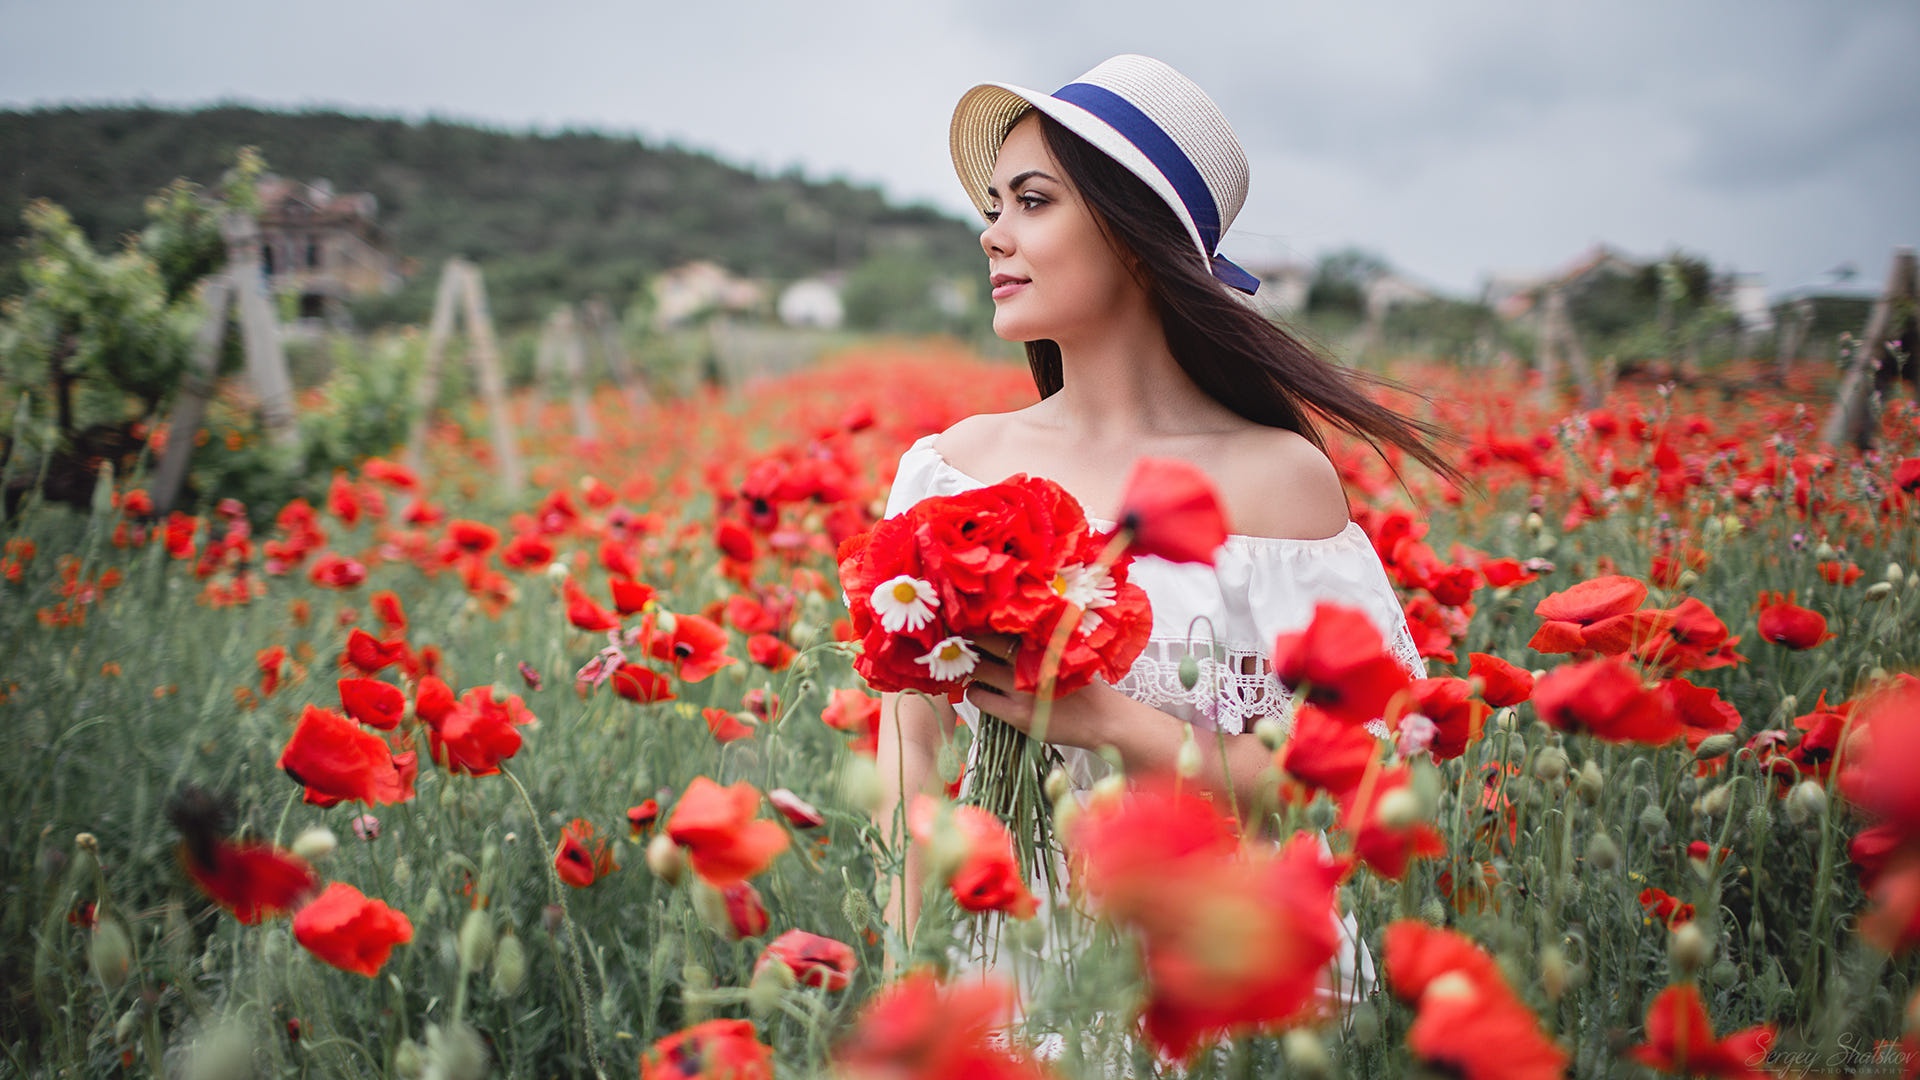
(566, 919)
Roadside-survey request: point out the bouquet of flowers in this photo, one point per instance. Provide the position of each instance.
(1016, 558)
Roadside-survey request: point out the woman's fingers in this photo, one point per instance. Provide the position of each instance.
(998, 646)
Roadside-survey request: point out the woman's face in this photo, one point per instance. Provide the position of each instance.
(1054, 273)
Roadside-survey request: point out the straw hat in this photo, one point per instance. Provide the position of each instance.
(1143, 114)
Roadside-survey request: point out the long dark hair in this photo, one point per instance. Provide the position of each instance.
(1234, 354)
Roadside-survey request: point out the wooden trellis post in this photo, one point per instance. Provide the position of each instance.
(1795, 321)
(1856, 416)
(463, 295)
(605, 334)
(561, 346)
(240, 290)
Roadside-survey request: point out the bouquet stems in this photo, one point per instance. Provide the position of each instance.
(1009, 781)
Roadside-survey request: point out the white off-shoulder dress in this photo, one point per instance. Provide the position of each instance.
(1226, 616)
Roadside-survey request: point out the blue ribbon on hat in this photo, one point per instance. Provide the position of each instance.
(1147, 137)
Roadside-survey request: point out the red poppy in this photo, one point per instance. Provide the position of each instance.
(1503, 573)
(1877, 774)
(629, 596)
(1600, 615)
(472, 537)
(726, 726)
(1456, 714)
(1699, 709)
(388, 609)
(725, 842)
(582, 857)
(1387, 841)
(1169, 508)
(854, 711)
(814, 960)
(336, 760)
(270, 661)
(1605, 698)
(1341, 661)
(432, 699)
(918, 1028)
(987, 875)
(770, 652)
(1695, 639)
(799, 813)
(368, 654)
(1324, 753)
(734, 541)
(252, 879)
(1893, 922)
(709, 1050)
(742, 908)
(527, 552)
(478, 733)
(1469, 1021)
(584, 613)
(1680, 1040)
(1501, 684)
(1783, 622)
(695, 645)
(640, 818)
(333, 571)
(1834, 572)
(373, 702)
(1666, 907)
(1906, 475)
(346, 929)
(640, 684)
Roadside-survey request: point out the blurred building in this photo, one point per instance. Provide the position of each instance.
(1283, 287)
(813, 302)
(693, 289)
(321, 247)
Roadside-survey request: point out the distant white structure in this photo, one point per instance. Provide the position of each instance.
(1746, 295)
(813, 302)
(1283, 287)
(1390, 289)
(1512, 295)
(696, 288)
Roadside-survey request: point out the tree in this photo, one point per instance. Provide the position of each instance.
(1340, 281)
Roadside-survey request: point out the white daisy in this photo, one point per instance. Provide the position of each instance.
(1089, 588)
(951, 658)
(904, 603)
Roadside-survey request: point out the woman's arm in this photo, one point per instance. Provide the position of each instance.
(912, 730)
(1147, 739)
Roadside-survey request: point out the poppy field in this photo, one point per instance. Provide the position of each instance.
(432, 780)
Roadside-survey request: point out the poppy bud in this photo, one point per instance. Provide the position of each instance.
(409, 1060)
(1806, 802)
(1306, 1054)
(1715, 802)
(1398, 809)
(1272, 733)
(1535, 523)
(1363, 1024)
(1725, 973)
(947, 763)
(1189, 672)
(860, 783)
(1187, 761)
(1321, 814)
(110, 953)
(224, 1053)
(1895, 575)
(476, 940)
(455, 1052)
(1687, 580)
(1824, 551)
(1110, 786)
(665, 859)
(402, 871)
(1602, 853)
(1554, 973)
(1652, 821)
(1688, 948)
(557, 570)
(1879, 591)
(770, 982)
(1591, 783)
(1057, 785)
(1550, 764)
(315, 843)
(857, 908)
(1715, 746)
(509, 965)
(127, 1026)
(1065, 809)
(697, 980)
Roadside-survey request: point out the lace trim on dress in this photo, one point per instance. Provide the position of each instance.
(1236, 688)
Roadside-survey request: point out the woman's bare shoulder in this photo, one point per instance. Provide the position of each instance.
(1278, 483)
(972, 445)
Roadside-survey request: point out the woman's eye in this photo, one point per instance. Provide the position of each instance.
(1032, 202)
(992, 216)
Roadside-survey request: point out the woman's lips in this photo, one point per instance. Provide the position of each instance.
(1005, 285)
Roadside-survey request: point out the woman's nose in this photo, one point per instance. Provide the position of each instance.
(993, 239)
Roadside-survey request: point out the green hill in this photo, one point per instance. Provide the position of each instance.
(549, 216)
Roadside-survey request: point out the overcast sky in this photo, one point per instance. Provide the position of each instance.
(1456, 139)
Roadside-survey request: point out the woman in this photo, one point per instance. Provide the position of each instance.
(1104, 204)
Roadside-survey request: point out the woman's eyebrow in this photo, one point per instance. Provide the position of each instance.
(1016, 183)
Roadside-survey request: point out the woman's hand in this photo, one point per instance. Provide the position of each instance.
(1076, 719)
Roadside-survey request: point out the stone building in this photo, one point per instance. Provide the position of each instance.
(322, 247)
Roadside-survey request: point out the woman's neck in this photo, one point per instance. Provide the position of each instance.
(1123, 383)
